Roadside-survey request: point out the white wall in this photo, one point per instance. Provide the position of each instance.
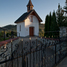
(25, 27)
(22, 32)
(34, 24)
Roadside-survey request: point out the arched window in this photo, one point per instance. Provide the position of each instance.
(20, 28)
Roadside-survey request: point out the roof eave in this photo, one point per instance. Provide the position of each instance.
(19, 22)
(40, 20)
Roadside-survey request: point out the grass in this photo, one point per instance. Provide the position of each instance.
(2, 39)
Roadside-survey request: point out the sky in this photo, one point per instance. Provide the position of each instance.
(11, 10)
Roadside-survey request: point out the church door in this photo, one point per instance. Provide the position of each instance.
(31, 31)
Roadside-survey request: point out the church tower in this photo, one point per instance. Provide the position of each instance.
(30, 6)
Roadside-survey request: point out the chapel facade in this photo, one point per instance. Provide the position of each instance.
(28, 23)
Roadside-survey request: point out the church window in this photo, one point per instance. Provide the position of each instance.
(31, 18)
(20, 28)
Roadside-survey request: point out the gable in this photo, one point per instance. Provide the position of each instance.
(30, 21)
(25, 15)
(22, 18)
(37, 16)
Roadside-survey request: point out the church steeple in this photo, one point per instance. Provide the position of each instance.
(29, 6)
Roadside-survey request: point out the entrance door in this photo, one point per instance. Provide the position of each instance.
(31, 31)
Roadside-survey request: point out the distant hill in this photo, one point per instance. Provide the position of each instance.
(9, 27)
(13, 27)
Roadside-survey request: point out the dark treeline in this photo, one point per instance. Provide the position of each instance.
(51, 26)
(53, 21)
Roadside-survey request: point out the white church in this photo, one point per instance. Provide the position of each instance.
(28, 23)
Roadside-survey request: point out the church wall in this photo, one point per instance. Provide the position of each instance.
(25, 27)
(34, 24)
(22, 32)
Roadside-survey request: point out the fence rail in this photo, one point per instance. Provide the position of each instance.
(45, 52)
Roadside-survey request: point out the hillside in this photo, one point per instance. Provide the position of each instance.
(41, 29)
(41, 26)
(9, 27)
(13, 27)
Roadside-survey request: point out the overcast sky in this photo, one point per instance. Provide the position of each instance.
(11, 10)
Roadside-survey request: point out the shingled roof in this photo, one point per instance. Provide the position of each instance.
(25, 15)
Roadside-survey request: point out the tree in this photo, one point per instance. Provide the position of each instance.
(51, 26)
(60, 17)
(54, 26)
(50, 20)
(47, 27)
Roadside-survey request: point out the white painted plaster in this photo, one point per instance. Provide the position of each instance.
(25, 27)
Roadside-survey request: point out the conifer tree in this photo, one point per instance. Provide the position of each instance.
(50, 20)
(51, 26)
(60, 17)
(54, 26)
(46, 25)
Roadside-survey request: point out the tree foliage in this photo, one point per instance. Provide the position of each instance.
(51, 25)
(54, 21)
(60, 17)
(54, 26)
(47, 27)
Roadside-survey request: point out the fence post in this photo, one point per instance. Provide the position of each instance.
(6, 62)
(39, 56)
(17, 60)
(55, 53)
(33, 58)
(45, 55)
(36, 50)
(11, 53)
(60, 49)
(30, 52)
(22, 52)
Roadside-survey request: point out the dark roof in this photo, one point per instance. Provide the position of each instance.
(25, 15)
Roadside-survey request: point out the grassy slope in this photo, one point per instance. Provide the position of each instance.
(41, 30)
(13, 27)
(9, 27)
